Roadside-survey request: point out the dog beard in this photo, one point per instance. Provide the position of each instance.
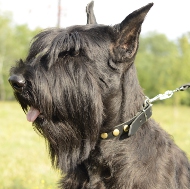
(66, 110)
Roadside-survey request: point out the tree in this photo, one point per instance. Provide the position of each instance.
(5, 34)
(14, 44)
(184, 62)
(156, 60)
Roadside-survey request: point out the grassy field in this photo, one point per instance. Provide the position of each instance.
(176, 121)
(24, 162)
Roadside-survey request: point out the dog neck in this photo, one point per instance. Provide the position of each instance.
(130, 118)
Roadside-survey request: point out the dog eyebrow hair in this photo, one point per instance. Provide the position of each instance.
(42, 41)
(66, 42)
(52, 42)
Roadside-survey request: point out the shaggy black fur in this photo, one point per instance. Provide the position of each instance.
(83, 82)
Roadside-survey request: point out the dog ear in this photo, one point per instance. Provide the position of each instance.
(127, 38)
(91, 19)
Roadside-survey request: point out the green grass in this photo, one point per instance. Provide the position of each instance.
(24, 162)
(176, 121)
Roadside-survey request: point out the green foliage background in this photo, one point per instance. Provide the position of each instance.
(162, 64)
(14, 44)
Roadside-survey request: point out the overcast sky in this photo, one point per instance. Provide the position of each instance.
(171, 17)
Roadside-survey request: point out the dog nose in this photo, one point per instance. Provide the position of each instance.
(17, 82)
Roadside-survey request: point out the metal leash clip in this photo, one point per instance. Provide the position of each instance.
(168, 93)
(164, 96)
(184, 87)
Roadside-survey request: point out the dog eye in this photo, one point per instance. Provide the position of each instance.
(63, 54)
(73, 53)
(68, 53)
(44, 58)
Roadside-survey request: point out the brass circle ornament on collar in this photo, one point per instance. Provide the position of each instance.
(130, 127)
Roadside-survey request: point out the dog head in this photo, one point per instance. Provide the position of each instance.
(71, 83)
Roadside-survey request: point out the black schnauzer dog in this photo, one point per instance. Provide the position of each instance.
(79, 87)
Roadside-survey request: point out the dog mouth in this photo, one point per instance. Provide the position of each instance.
(32, 114)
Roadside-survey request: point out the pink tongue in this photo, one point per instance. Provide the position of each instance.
(32, 114)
